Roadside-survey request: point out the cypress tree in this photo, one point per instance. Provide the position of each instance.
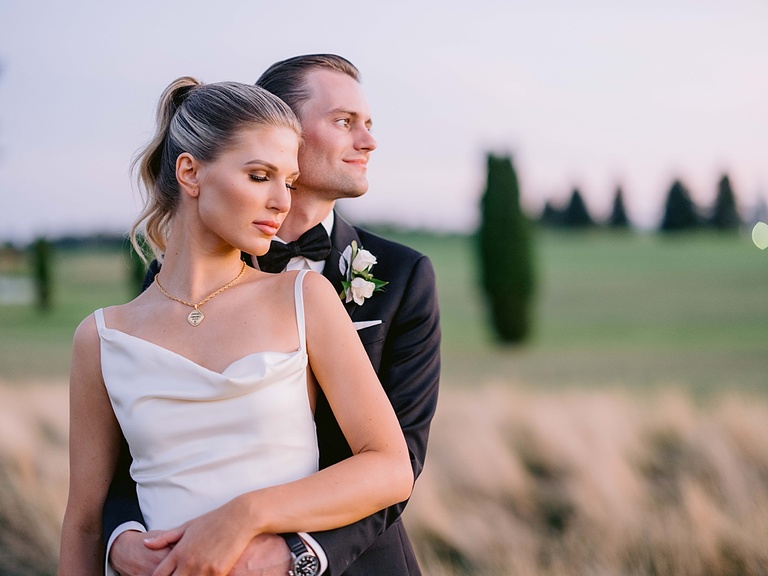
(679, 211)
(618, 218)
(725, 214)
(506, 258)
(550, 216)
(41, 270)
(576, 214)
(759, 212)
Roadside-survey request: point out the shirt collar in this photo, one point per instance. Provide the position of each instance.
(327, 223)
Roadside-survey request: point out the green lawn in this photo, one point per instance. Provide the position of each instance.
(612, 309)
(617, 309)
(36, 345)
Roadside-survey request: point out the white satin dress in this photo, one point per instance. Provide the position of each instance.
(199, 438)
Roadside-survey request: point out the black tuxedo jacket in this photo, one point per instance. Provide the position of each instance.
(405, 352)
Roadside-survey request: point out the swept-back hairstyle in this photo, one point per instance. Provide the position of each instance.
(287, 79)
(202, 120)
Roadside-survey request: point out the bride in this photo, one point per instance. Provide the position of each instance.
(212, 372)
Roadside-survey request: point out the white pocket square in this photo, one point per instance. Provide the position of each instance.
(366, 324)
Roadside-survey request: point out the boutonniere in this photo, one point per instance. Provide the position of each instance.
(355, 266)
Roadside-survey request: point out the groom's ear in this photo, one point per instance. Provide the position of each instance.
(188, 174)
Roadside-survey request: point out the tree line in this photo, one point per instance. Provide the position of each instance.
(505, 246)
(681, 212)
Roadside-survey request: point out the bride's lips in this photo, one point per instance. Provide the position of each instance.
(268, 227)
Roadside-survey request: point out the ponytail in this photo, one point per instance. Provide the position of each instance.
(202, 120)
(161, 190)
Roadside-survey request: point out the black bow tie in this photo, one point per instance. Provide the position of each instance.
(314, 244)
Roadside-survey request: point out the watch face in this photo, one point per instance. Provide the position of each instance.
(306, 565)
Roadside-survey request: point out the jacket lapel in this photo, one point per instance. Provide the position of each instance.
(342, 236)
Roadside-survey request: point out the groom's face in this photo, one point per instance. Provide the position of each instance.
(336, 124)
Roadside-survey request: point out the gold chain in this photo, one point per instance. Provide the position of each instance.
(196, 317)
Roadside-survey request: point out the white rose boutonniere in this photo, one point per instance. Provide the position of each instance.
(355, 266)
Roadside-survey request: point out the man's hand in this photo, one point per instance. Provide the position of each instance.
(266, 555)
(130, 557)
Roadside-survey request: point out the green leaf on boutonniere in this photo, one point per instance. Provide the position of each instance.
(355, 266)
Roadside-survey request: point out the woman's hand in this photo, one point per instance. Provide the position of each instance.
(209, 545)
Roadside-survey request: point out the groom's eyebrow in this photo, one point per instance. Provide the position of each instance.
(351, 114)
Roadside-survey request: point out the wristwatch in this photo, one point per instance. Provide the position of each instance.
(305, 562)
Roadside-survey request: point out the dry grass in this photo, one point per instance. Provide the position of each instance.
(556, 483)
(593, 482)
(33, 476)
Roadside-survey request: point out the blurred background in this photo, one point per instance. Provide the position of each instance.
(614, 156)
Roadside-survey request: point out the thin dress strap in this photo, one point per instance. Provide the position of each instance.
(298, 296)
(99, 316)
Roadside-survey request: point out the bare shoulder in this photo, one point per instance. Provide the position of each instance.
(277, 287)
(322, 306)
(130, 315)
(317, 288)
(86, 333)
(271, 295)
(85, 368)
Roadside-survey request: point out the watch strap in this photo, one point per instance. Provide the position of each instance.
(305, 561)
(295, 544)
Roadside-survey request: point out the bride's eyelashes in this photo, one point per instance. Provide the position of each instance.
(259, 178)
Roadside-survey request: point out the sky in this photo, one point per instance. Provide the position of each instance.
(595, 94)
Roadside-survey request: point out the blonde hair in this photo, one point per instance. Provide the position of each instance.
(202, 120)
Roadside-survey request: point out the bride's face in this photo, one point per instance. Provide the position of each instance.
(245, 193)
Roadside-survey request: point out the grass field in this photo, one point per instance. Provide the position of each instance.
(631, 310)
(627, 438)
(612, 310)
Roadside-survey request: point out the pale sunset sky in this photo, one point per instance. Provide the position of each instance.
(590, 94)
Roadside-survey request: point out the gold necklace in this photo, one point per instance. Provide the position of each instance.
(196, 316)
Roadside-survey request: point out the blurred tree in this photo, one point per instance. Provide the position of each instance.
(618, 217)
(759, 212)
(41, 269)
(550, 216)
(679, 211)
(725, 214)
(137, 268)
(576, 214)
(506, 254)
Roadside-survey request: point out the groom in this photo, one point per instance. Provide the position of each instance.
(399, 328)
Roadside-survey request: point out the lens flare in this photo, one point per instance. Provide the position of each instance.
(760, 235)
